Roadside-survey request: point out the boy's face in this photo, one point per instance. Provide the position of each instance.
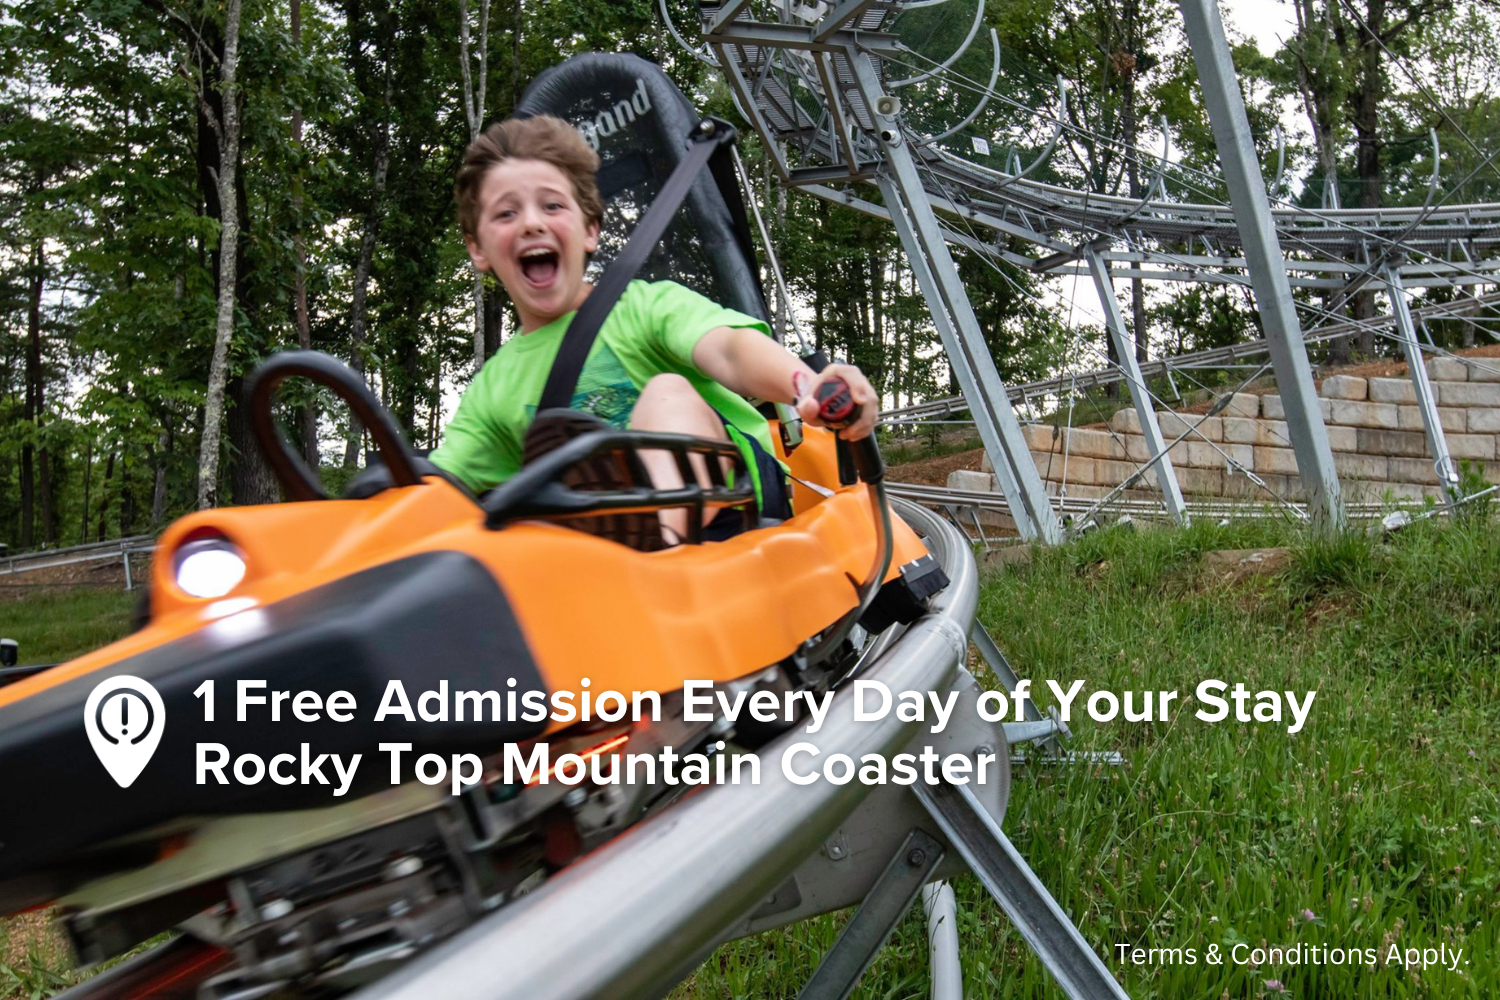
(533, 236)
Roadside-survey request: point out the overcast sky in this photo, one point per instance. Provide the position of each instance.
(1268, 22)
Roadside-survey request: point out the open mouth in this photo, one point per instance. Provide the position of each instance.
(539, 266)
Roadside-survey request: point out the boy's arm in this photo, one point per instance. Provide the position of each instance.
(748, 362)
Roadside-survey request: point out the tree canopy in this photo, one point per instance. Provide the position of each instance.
(122, 190)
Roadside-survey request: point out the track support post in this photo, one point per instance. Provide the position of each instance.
(1437, 440)
(1114, 321)
(1029, 715)
(1079, 971)
(963, 342)
(1267, 266)
(887, 902)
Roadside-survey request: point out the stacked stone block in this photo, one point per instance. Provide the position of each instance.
(1374, 429)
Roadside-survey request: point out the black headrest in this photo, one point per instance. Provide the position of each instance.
(638, 121)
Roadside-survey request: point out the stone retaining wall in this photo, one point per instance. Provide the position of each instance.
(1374, 429)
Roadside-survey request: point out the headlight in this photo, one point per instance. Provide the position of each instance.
(209, 567)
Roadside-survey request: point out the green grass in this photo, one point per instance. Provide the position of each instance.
(37, 963)
(1380, 818)
(52, 626)
(59, 625)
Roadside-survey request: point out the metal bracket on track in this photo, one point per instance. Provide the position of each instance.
(1044, 730)
(884, 906)
(991, 856)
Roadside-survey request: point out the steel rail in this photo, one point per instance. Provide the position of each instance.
(1211, 358)
(112, 543)
(95, 552)
(1022, 220)
(631, 916)
(942, 496)
(1336, 232)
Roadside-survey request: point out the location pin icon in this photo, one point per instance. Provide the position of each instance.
(124, 717)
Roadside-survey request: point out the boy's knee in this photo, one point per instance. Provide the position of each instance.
(668, 385)
(667, 396)
(668, 402)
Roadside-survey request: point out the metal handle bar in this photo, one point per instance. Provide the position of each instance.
(300, 481)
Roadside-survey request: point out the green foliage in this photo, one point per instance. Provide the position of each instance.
(109, 217)
(33, 979)
(1325, 563)
(931, 444)
(1472, 483)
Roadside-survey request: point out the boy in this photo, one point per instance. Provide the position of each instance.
(666, 359)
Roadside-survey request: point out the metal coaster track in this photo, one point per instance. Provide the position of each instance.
(1336, 233)
(822, 83)
(1216, 357)
(799, 89)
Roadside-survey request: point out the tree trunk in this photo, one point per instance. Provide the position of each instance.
(1126, 62)
(251, 481)
(1340, 349)
(877, 324)
(407, 391)
(299, 287)
(46, 489)
(159, 487)
(517, 19)
(476, 296)
(109, 471)
(474, 113)
(358, 310)
(28, 496)
(228, 136)
(35, 403)
(1466, 328)
(494, 324)
(434, 405)
(1111, 389)
(127, 502)
(1318, 95)
(1365, 107)
(1365, 103)
(1362, 309)
(1319, 89)
(818, 334)
(88, 470)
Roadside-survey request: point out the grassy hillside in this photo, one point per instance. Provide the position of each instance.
(58, 625)
(1377, 824)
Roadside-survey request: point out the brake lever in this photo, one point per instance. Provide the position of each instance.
(838, 410)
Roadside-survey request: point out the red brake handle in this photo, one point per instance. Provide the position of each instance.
(836, 407)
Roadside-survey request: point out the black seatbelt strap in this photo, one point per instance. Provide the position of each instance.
(708, 136)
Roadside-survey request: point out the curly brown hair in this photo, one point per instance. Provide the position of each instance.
(542, 137)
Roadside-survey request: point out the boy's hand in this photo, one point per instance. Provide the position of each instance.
(805, 388)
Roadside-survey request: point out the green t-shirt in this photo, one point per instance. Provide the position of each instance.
(652, 330)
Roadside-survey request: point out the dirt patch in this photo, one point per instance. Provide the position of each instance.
(105, 573)
(1234, 565)
(935, 471)
(33, 933)
(1393, 367)
(1006, 555)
